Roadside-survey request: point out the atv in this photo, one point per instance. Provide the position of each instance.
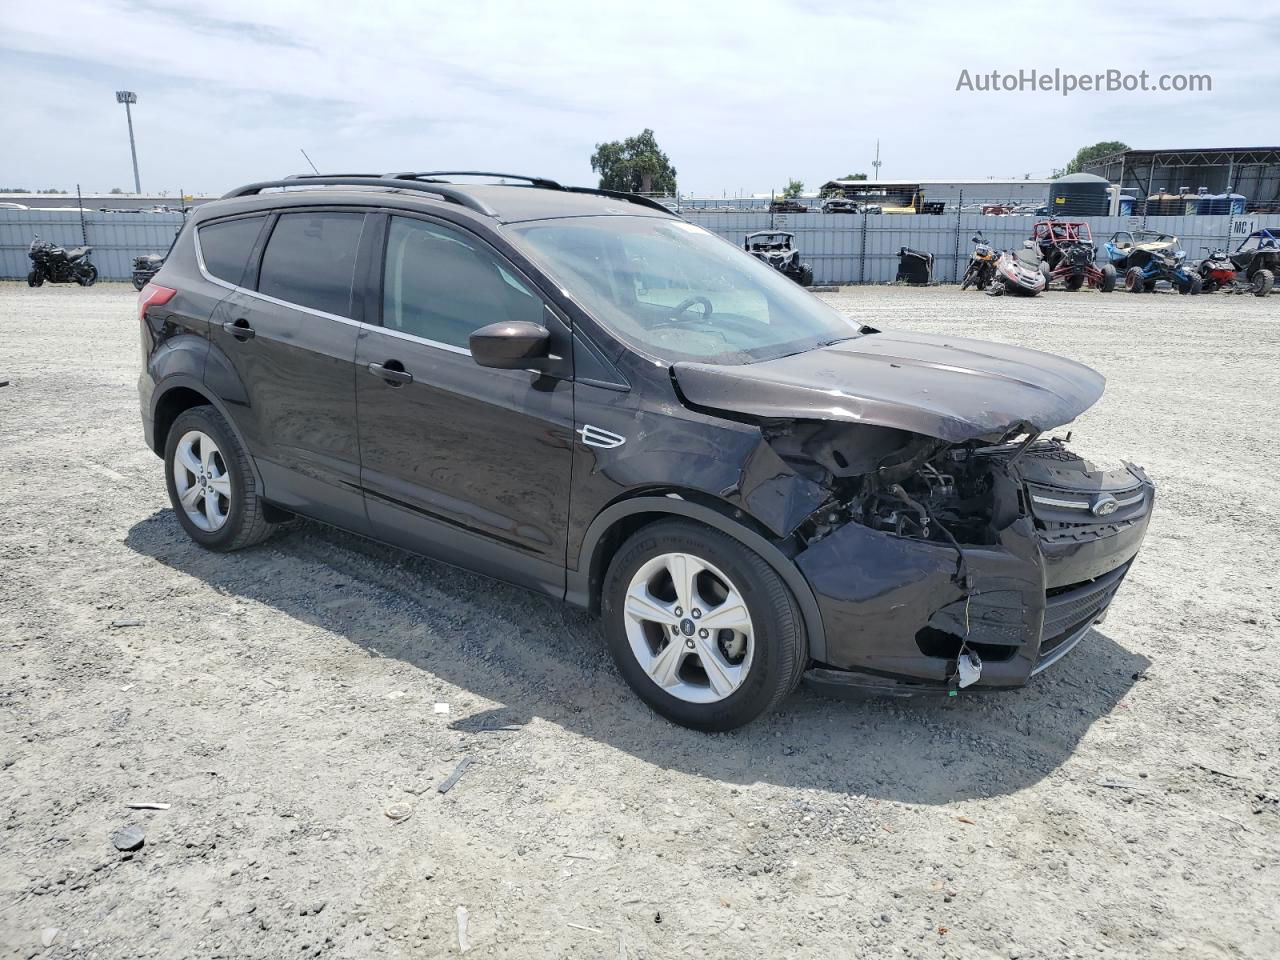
(777, 248)
(1216, 271)
(1258, 259)
(1018, 272)
(1068, 254)
(1130, 248)
(1163, 265)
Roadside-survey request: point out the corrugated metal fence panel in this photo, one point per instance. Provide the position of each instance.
(841, 248)
(116, 238)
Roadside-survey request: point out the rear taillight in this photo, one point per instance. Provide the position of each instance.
(153, 295)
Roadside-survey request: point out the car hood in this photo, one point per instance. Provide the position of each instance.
(951, 388)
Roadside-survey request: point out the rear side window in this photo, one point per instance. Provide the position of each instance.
(226, 246)
(310, 260)
(441, 285)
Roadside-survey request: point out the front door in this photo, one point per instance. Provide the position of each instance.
(465, 463)
(290, 334)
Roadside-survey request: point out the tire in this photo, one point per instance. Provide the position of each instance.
(243, 522)
(997, 289)
(1260, 283)
(768, 665)
(1074, 283)
(88, 276)
(806, 277)
(967, 281)
(35, 278)
(139, 283)
(1191, 287)
(1133, 281)
(1046, 273)
(1108, 278)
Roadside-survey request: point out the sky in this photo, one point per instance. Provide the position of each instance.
(741, 95)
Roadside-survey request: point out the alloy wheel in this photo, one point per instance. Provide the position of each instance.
(201, 479)
(689, 628)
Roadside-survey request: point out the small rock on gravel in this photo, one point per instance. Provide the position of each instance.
(128, 839)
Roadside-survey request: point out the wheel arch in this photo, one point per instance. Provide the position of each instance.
(174, 396)
(616, 522)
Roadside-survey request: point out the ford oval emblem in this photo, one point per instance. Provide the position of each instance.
(1104, 505)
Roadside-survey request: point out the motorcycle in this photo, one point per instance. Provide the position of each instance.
(59, 264)
(982, 264)
(144, 268)
(1018, 272)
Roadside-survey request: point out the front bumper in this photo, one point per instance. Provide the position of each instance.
(895, 612)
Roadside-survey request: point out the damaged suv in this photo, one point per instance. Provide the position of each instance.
(579, 392)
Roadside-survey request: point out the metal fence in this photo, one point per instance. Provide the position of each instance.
(842, 248)
(116, 238)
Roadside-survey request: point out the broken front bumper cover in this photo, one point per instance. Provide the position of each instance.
(896, 618)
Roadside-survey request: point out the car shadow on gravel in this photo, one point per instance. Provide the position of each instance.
(531, 656)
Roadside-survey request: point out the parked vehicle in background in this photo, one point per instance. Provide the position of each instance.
(1131, 248)
(1068, 255)
(1018, 272)
(777, 248)
(786, 205)
(1216, 271)
(54, 264)
(839, 205)
(1258, 259)
(982, 264)
(1163, 265)
(574, 391)
(145, 267)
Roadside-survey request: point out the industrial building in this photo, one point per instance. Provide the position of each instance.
(1252, 172)
(1021, 191)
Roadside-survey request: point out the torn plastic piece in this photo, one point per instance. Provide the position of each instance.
(970, 667)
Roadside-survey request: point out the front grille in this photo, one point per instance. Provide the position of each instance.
(1070, 608)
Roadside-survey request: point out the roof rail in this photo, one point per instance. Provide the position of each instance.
(620, 195)
(532, 181)
(445, 192)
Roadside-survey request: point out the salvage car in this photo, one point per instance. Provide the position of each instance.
(577, 391)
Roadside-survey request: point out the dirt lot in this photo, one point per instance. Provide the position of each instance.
(1127, 804)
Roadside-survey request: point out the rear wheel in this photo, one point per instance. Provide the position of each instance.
(1074, 283)
(87, 276)
(1260, 283)
(702, 628)
(1108, 278)
(211, 485)
(1191, 287)
(1133, 281)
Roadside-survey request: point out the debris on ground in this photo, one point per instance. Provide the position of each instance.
(441, 708)
(47, 936)
(121, 624)
(147, 805)
(130, 838)
(399, 811)
(454, 777)
(463, 943)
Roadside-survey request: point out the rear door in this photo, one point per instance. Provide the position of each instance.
(462, 462)
(290, 334)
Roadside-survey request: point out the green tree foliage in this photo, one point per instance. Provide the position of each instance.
(634, 165)
(1086, 154)
(116, 190)
(794, 188)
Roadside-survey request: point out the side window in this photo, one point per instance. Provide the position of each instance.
(226, 245)
(310, 260)
(441, 285)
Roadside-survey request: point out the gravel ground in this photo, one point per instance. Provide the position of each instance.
(282, 701)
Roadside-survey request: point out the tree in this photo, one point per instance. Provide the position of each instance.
(854, 176)
(794, 188)
(116, 190)
(1086, 154)
(634, 165)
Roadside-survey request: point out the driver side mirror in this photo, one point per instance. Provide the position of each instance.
(510, 345)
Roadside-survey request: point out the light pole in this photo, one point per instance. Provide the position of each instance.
(128, 97)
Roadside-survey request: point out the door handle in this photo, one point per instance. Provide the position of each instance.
(392, 371)
(240, 329)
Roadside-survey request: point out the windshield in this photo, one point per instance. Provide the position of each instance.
(677, 292)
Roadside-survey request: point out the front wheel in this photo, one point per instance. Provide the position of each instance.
(1261, 283)
(211, 485)
(701, 627)
(87, 276)
(35, 278)
(139, 282)
(1108, 278)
